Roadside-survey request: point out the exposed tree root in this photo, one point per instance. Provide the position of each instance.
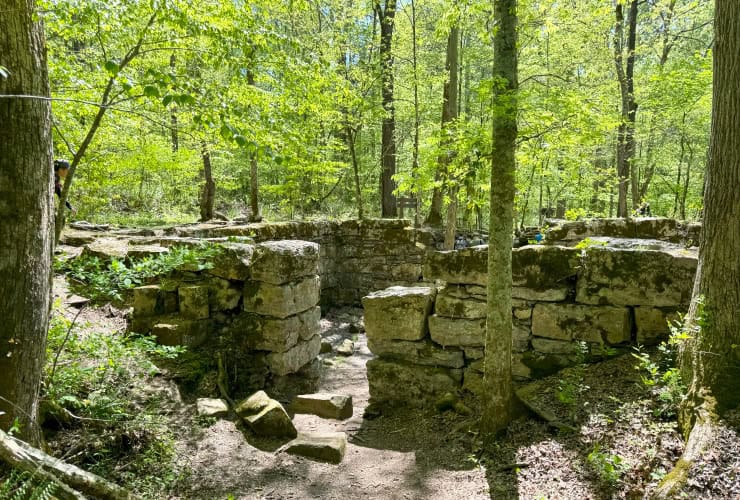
(73, 482)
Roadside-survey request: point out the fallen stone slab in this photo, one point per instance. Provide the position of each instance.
(346, 348)
(211, 407)
(265, 416)
(323, 405)
(324, 446)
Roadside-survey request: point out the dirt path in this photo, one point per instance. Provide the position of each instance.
(393, 457)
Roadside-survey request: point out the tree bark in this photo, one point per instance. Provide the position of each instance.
(254, 191)
(174, 135)
(386, 16)
(498, 393)
(626, 130)
(208, 193)
(26, 217)
(709, 359)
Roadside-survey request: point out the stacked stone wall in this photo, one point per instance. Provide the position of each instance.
(569, 305)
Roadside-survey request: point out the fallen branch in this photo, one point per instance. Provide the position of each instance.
(74, 481)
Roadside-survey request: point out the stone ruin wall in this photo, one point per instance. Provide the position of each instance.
(430, 340)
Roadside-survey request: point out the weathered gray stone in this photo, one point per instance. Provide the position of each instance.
(519, 337)
(107, 249)
(541, 272)
(223, 295)
(474, 353)
(423, 352)
(455, 307)
(193, 302)
(549, 346)
(346, 348)
(140, 251)
(146, 300)
(281, 300)
(653, 324)
(395, 383)
(324, 446)
(324, 405)
(266, 416)
(233, 262)
(468, 266)
(276, 334)
(398, 312)
(457, 332)
(636, 277)
(578, 322)
(523, 313)
(290, 361)
(209, 407)
(75, 238)
(458, 291)
(473, 382)
(541, 365)
(519, 370)
(174, 330)
(279, 262)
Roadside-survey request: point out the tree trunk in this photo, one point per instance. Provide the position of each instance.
(350, 137)
(208, 193)
(386, 16)
(626, 131)
(173, 116)
(497, 397)
(449, 113)
(254, 192)
(417, 118)
(709, 358)
(26, 217)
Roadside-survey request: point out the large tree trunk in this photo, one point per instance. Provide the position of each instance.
(386, 16)
(497, 396)
(26, 216)
(710, 358)
(208, 193)
(254, 191)
(626, 131)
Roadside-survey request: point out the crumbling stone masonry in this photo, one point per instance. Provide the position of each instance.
(569, 305)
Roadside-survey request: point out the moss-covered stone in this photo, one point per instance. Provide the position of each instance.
(542, 272)
(233, 262)
(279, 262)
(193, 302)
(398, 313)
(579, 322)
(454, 307)
(399, 384)
(281, 301)
(468, 266)
(266, 416)
(457, 332)
(653, 324)
(423, 352)
(290, 361)
(254, 331)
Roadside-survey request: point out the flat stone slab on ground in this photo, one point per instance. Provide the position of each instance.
(211, 407)
(323, 405)
(346, 348)
(266, 416)
(324, 446)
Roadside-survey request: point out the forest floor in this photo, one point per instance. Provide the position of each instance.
(624, 440)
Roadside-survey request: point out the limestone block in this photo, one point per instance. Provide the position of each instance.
(475, 292)
(233, 262)
(636, 277)
(76, 238)
(549, 346)
(324, 405)
(193, 302)
(541, 272)
(541, 365)
(519, 337)
(279, 262)
(346, 348)
(519, 370)
(468, 266)
(658, 228)
(473, 382)
(223, 295)
(275, 334)
(423, 352)
(578, 322)
(653, 324)
(174, 330)
(290, 361)
(266, 416)
(146, 301)
(401, 384)
(208, 407)
(140, 251)
(474, 353)
(458, 332)
(281, 301)
(398, 312)
(324, 446)
(455, 307)
(107, 249)
(522, 312)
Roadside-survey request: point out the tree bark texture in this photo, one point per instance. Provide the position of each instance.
(498, 392)
(449, 113)
(254, 190)
(26, 217)
(386, 16)
(208, 193)
(710, 360)
(626, 132)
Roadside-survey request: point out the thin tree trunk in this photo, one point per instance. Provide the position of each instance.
(417, 119)
(26, 217)
(173, 116)
(208, 193)
(686, 180)
(498, 393)
(351, 134)
(254, 206)
(386, 16)
(626, 131)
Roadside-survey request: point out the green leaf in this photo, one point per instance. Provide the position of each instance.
(226, 132)
(240, 140)
(167, 99)
(112, 67)
(151, 91)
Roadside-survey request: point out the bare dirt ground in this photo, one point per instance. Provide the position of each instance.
(619, 449)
